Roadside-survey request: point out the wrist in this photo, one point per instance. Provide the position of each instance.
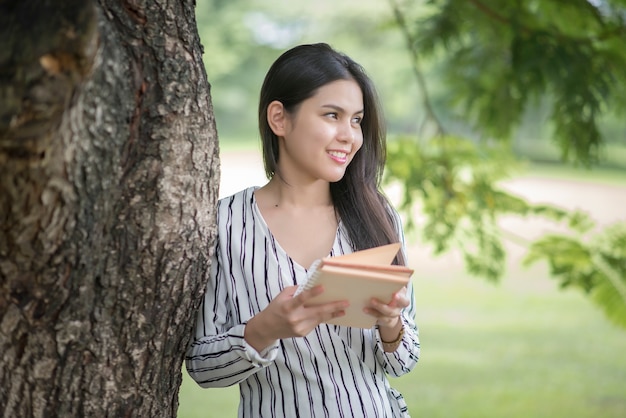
(389, 331)
(392, 338)
(254, 336)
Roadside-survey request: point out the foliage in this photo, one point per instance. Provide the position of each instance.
(455, 182)
(498, 57)
(597, 266)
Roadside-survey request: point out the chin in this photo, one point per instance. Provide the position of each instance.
(333, 175)
(335, 179)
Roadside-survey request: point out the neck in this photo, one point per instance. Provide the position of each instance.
(314, 194)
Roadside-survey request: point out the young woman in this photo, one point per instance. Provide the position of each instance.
(324, 152)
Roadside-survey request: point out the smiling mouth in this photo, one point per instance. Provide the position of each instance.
(338, 155)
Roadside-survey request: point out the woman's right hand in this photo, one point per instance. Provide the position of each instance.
(288, 316)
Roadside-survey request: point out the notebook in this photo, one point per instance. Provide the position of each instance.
(358, 277)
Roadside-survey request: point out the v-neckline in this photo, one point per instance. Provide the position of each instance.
(269, 234)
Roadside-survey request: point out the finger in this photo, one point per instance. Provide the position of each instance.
(381, 313)
(402, 292)
(384, 307)
(329, 307)
(394, 302)
(330, 310)
(290, 290)
(372, 312)
(399, 300)
(381, 310)
(382, 320)
(306, 295)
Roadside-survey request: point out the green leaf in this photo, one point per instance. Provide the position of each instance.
(597, 266)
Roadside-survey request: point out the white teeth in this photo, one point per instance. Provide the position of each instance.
(338, 154)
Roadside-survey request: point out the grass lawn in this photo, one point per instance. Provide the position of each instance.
(518, 349)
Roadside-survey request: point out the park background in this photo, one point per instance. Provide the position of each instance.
(519, 346)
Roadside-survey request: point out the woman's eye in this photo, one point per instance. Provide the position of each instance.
(332, 115)
(357, 120)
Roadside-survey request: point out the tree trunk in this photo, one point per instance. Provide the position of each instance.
(108, 182)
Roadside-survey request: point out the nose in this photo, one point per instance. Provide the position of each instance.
(346, 132)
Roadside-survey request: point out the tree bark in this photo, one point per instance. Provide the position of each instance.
(109, 176)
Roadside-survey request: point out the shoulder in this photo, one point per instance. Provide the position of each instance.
(243, 197)
(236, 209)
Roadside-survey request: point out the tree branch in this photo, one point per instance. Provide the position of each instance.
(490, 12)
(616, 31)
(410, 42)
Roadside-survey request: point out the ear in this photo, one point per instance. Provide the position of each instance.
(276, 117)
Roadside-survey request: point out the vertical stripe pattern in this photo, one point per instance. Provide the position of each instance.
(333, 372)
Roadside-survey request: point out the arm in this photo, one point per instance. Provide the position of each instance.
(404, 357)
(219, 356)
(398, 316)
(223, 354)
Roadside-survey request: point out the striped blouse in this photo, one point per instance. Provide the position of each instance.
(334, 371)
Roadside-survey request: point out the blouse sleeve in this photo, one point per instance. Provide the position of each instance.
(218, 355)
(405, 357)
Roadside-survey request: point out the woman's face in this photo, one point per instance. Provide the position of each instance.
(322, 136)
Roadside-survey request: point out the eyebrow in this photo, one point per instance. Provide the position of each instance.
(341, 109)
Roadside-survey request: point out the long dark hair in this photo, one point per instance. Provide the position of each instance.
(294, 77)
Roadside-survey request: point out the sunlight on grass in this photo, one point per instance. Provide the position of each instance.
(519, 349)
(196, 402)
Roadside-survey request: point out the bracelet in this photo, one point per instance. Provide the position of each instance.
(394, 343)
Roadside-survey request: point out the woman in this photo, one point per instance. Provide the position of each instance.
(324, 152)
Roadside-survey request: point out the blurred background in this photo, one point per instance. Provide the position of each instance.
(507, 160)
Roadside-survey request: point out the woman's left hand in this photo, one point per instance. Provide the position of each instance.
(388, 314)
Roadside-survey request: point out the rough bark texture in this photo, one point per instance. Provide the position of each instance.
(108, 183)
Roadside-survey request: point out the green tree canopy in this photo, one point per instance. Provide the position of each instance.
(500, 57)
(497, 59)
